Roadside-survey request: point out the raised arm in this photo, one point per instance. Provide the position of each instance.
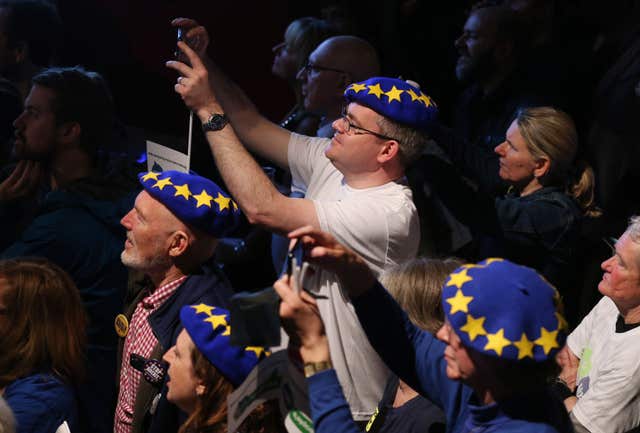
(256, 132)
(251, 188)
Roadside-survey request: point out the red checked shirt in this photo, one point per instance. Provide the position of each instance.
(140, 340)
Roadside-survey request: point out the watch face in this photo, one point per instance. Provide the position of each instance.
(215, 123)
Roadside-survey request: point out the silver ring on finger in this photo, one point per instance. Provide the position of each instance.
(180, 80)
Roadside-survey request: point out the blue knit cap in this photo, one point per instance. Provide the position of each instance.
(395, 99)
(194, 200)
(505, 310)
(209, 329)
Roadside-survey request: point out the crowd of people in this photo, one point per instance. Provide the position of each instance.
(457, 275)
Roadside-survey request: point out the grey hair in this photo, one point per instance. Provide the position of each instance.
(634, 228)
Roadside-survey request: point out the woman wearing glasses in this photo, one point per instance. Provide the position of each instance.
(42, 335)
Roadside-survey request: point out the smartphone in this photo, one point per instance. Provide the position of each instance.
(179, 55)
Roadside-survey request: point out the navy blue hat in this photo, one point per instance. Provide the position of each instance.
(209, 329)
(395, 99)
(194, 200)
(505, 310)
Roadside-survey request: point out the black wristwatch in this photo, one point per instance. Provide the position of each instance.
(215, 122)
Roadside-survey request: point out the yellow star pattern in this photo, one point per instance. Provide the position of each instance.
(151, 175)
(562, 323)
(235, 206)
(227, 331)
(203, 308)
(474, 327)
(525, 347)
(203, 198)
(216, 321)
(162, 183)
(183, 190)
(394, 94)
(458, 279)
(548, 340)
(459, 302)
(223, 202)
(357, 87)
(497, 342)
(257, 350)
(413, 95)
(374, 89)
(492, 260)
(425, 99)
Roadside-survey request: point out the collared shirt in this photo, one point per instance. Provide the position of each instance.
(141, 341)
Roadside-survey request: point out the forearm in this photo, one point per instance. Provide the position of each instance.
(329, 409)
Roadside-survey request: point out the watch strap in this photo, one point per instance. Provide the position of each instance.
(311, 368)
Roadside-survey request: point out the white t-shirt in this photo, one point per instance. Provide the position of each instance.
(608, 382)
(381, 224)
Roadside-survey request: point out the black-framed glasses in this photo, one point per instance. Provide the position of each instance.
(351, 129)
(316, 68)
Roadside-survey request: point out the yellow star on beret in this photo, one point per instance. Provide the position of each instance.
(203, 308)
(459, 302)
(203, 199)
(548, 340)
(425, 99)
(183, 190)
(256, 349)
(223, 202)
(474, 327)
(216, 321)
(162, 183)
(458, 279)
(562, 323)
(374, 89)
(414, 96)
(394, 94)
(497, 342)
(151, 175)
(525, 347)
(357, 87)
(227, 331)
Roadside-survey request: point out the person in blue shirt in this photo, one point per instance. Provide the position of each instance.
(486, 367)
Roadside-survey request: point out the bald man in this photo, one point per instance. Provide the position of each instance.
(332, 66)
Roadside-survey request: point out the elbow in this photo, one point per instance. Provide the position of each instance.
(257, 216)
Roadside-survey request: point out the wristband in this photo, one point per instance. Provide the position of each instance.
(560, 389)
(311, 368)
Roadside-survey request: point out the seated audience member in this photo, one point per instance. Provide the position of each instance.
(600, 378)
(417, 287)
(204, 369)
(536, 223)
(42, 335)
(300, 39)
(172, 233)
(354, 182)
(59, 202)
(487, 368)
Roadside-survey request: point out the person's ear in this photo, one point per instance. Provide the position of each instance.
(20, 52)
(389, 150)
(69, 132)
(542, 167)
(179, 243)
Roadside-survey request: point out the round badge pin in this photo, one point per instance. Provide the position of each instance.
(122, 325)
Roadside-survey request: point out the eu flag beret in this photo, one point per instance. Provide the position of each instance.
(395, 99)
(194, 200)
(505, 310)
(208, 327)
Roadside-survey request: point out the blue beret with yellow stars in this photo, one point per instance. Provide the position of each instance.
(209, 329)
(395, 99)
(505, 310)
(194, 200)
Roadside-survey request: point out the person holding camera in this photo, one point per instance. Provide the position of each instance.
(354, 182)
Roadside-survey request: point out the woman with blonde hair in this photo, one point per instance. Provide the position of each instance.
(42, 335)
(536, 223)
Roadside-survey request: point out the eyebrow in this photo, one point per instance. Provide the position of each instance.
(510, 143)
(350, 115)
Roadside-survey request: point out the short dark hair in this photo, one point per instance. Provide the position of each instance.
(81, 96)
(37, 24)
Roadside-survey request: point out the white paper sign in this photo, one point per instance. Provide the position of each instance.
(162, 158)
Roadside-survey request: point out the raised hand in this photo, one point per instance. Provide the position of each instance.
(301, 320)
(195, 35)
(22, 182)
(323, 250)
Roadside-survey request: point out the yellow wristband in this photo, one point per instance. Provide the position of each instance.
(311, 368)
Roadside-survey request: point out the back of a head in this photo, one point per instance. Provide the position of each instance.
(81, 96)
(37, 25)
(417, 287)
(353, 55)
(505, 24)
(55, 342)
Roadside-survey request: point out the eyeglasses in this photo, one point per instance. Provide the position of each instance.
(315, 68)
(351, 129)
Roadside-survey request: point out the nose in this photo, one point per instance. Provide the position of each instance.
(126, 220)
(607, 263)
(339, 125)
(500, 148)
(302, 74)
(459, 43)
(18, 122)
(169, 355)
(443, 334)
